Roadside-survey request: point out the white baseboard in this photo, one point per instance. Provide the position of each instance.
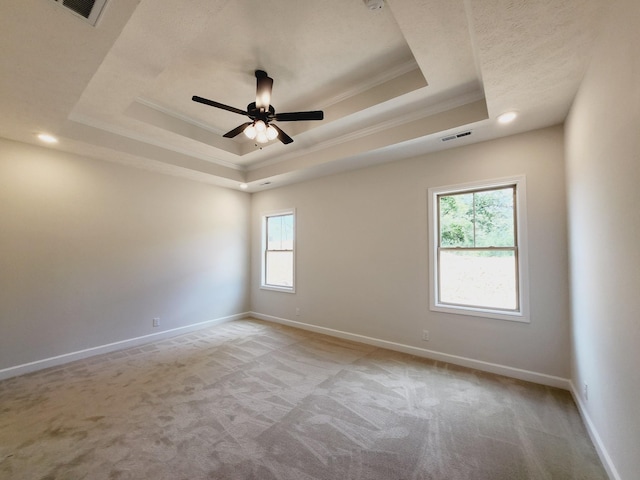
(518, 373)
(111, 347)
(595, 436)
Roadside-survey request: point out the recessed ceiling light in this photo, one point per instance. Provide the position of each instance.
(244, 186)
(46, 138)
(507, 117)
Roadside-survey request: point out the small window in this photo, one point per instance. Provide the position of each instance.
(477, 254)
(278, 259)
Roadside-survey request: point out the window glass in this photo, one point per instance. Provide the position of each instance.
(278, 251)
(279, 271)
(485, 279)
(477, 219)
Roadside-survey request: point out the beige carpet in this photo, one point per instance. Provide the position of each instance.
(251, 400)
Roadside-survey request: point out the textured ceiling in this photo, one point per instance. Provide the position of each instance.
(547, 49)
(391, 82)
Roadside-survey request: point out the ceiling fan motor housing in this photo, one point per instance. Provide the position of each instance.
(256, 113)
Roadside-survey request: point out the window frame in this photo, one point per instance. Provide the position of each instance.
(521, 314)
(263, 268)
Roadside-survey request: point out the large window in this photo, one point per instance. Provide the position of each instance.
(278, 259)
(478, 259)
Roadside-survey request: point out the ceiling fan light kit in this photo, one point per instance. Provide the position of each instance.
(260, 132)
(262, 113)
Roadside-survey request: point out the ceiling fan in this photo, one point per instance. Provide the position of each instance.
(262, 113)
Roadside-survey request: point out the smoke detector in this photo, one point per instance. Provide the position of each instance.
(374, 5)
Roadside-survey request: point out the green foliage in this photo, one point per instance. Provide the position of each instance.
(477, 219)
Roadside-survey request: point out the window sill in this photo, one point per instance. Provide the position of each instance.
(278, 289)
(481, 312)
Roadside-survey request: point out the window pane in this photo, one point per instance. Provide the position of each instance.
(274, 233)
(287, 232)
(279, 269)
(494, 220)
(479, 279)
(456, 220)
(280, 232)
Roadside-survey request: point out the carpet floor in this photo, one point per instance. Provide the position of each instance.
(253, 400)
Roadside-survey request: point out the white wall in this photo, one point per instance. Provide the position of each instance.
(362, 256)
(603, 178)
(91, 252)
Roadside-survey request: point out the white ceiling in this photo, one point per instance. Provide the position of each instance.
(392, 82)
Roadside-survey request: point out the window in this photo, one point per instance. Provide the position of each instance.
(478, 254)
(278, 261)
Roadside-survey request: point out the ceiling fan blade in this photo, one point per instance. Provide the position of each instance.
(264, 85)
(297, 116)
(283, 137)
(237, 131)
(211, 103)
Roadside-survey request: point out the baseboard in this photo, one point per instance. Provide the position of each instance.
(595, 436)
(518, 373)
(111, 347)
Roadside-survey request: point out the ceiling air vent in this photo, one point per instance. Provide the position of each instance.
(88, 9)
(455, 136)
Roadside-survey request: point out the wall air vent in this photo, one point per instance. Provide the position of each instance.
(455, 136)
(88, 9)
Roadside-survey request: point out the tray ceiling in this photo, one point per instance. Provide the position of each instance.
(392, 82)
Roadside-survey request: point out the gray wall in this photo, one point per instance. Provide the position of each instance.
(603, 175)
(362, 254)
(91, 252)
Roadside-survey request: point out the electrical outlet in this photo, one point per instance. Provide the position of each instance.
(156, 322)
(297, 312)
(585, 391)
(425, 335)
